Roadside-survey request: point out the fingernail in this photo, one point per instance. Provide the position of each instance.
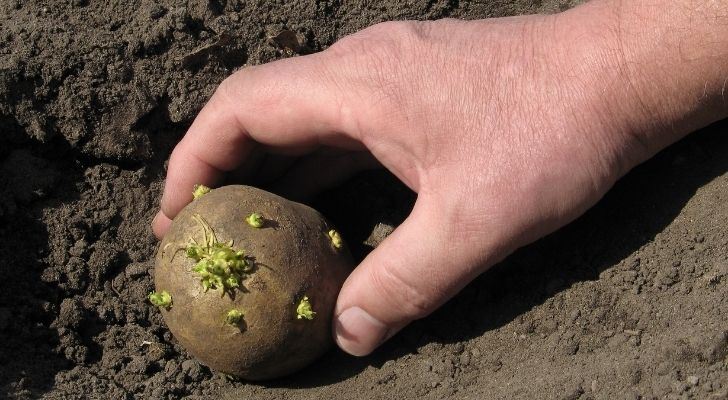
(358, 333)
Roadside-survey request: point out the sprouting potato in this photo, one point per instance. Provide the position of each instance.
(252, 281)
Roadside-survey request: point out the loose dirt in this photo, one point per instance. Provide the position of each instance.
(628, 301)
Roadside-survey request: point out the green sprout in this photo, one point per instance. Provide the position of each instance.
(234, 317)
(162, 299)
(303, 310)
(335, 238)
(255, 220)
(199, 191)
(218, 264)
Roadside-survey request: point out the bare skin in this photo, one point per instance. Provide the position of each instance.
(507, 129)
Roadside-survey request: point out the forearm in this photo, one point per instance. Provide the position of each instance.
(664, 64)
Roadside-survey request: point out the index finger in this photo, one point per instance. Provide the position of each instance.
(286, 105)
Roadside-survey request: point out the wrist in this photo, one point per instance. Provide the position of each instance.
(650, 76)
(606, 105)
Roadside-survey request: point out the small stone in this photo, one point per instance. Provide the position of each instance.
(693, 380)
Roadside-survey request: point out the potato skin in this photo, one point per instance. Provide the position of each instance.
(294, 257)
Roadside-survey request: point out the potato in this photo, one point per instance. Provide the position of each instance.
(278, 318)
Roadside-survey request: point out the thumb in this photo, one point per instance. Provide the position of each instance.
(415, 270)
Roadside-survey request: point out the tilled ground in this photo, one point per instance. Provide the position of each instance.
(628, 301)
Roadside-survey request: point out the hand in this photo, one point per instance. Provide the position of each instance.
(507, 129)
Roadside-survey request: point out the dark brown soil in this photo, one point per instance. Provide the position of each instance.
(630, 300)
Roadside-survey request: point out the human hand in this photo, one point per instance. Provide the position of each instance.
(507, 129)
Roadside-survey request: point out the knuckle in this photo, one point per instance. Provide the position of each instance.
(380, 47)
(225, 88)
(349, 44)
(411, 300)
(233, 83)
(380, 62)
(252, 82)
(229, 88)
(393, 29)
(382, 33)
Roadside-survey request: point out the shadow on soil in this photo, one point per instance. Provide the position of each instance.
(28, 361)
(640, 206)
(29, 183)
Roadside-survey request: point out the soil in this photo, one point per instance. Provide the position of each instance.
(627, 302)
